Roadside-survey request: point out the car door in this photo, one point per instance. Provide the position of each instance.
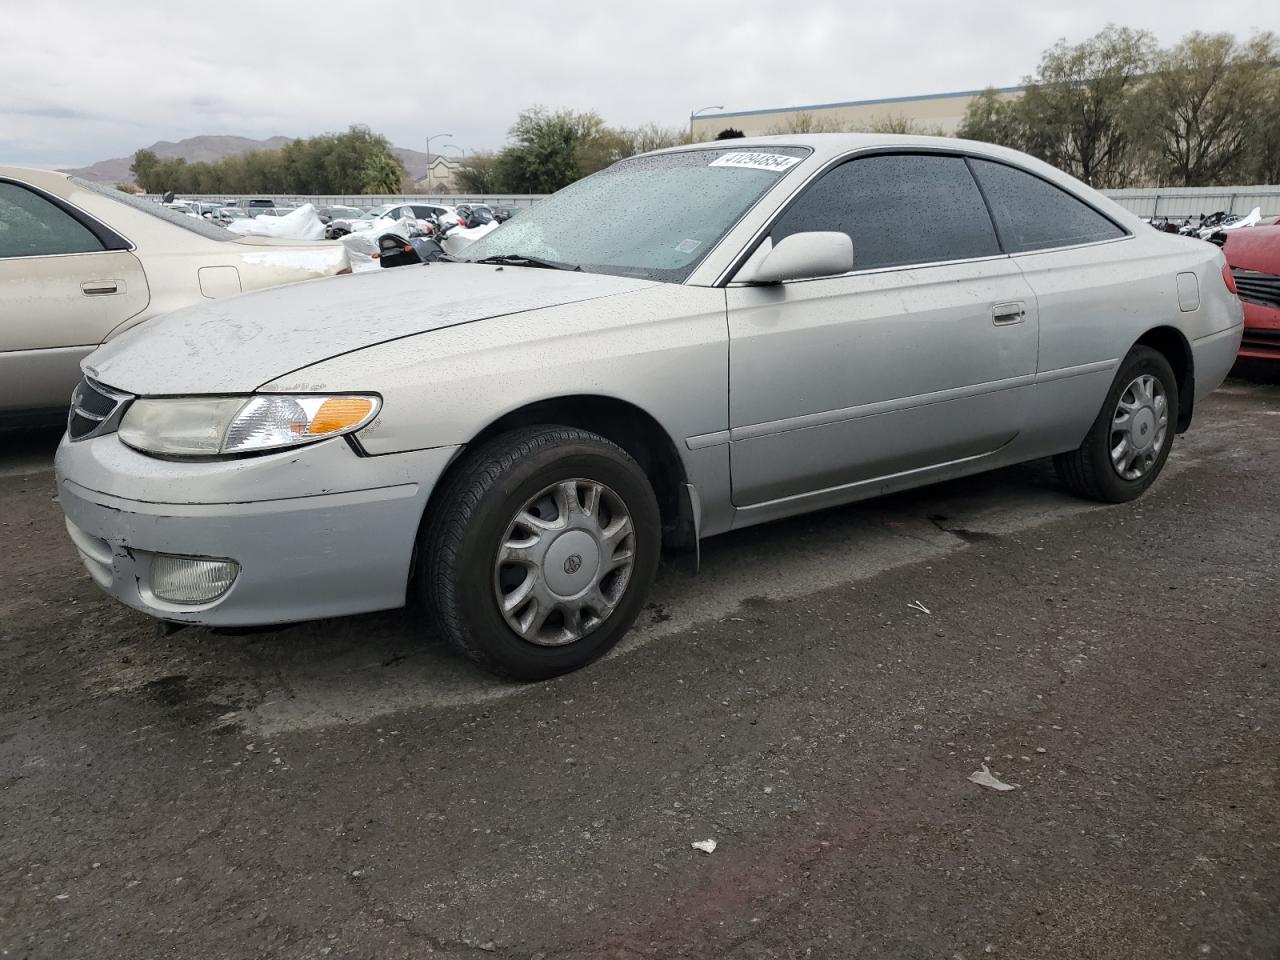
(923, 355)
(1093, 300)
(64, 291)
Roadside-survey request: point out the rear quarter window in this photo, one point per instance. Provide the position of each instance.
(31, 226)
(1034, 214)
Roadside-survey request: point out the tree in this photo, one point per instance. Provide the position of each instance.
(730, 133)
(479, 173)
(550, 150)
(144, 167)
(805, 122)
(901, 124)
(1077, 109)
(357, 161)
(993, 118)
(1201, 108)
(651, 137)
(1263, 163)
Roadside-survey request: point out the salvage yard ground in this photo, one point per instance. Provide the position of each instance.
(814, 701)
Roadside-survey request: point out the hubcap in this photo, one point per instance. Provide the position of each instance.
(1139, 427)
(564, 562)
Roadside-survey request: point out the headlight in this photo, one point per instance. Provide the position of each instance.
(226, 426)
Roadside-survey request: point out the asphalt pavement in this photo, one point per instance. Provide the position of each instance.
(814, 701)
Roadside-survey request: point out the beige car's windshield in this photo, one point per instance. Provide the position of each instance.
(653, 216)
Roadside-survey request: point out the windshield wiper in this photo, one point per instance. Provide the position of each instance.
(520, 260)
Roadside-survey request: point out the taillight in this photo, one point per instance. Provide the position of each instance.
(1229, 280)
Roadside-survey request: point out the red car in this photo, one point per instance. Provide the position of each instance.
(1254, 257)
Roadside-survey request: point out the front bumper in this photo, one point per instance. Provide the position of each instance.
(317, 531)
(1261, 332)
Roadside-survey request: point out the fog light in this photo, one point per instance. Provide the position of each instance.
(191, 579)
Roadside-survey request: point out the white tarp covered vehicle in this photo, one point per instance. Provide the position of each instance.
(302, 224)
(362, 245)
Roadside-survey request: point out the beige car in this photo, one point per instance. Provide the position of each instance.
(80, 262)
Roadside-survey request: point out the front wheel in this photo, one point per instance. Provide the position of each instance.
(540, 551)
(1128, 444)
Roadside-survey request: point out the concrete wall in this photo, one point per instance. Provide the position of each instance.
(942, 110)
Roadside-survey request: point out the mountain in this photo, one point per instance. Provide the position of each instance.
(415, 161)
(211, 148)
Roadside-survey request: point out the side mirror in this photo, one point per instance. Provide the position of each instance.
(801, 256)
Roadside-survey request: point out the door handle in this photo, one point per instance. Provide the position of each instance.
(100, 288)
(1006, 314)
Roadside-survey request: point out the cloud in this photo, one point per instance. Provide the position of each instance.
(88, 80)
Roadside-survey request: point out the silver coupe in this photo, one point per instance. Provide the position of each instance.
(689, 342)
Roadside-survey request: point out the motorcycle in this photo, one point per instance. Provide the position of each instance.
(438, 241)
(397, 251)
(476, 223)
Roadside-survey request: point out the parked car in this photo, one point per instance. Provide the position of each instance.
(81, 262)
(328, 214)
(225, 215)
(338, 228)
(811, 320)
(1254, 257)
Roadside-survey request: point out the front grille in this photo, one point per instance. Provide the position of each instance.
(1257, 287)
(1261, 341)
(95, 410)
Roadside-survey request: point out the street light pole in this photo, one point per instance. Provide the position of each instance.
(714, 106)
(434, 136)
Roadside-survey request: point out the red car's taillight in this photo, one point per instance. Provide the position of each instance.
(1229, 280)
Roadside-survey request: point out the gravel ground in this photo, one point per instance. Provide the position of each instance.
(350, 789)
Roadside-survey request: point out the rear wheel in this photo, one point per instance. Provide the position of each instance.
(540, 551)
(1129, 442)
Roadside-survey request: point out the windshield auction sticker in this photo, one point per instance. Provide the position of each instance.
(755, 161)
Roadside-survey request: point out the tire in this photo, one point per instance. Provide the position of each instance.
(1089, 470)
(474, 524)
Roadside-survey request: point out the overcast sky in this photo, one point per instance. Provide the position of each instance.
(84, 81)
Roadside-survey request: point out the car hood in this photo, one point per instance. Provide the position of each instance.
(239, 344)
(1257, 248)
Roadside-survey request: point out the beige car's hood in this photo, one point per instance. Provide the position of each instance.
(238, 344)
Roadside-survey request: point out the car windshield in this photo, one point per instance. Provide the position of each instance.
(206, 228)
(654, 216)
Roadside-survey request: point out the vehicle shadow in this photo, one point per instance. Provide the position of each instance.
(28, 450)
(356, 668)
(1257, 371)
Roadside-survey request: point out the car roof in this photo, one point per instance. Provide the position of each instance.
(829, 146)
(49, 179)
